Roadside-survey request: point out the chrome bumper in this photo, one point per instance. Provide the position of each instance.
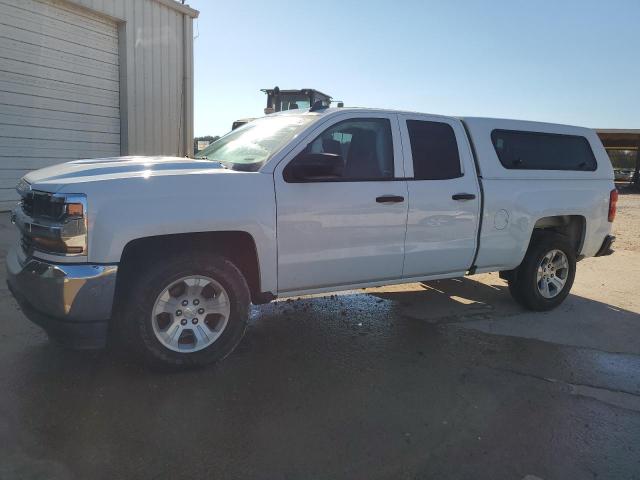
(70, 300)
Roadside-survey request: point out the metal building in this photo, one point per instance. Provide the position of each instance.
(623, 139)
(92, 78)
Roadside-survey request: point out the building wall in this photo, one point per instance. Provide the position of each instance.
(91, 79)
(156, 79)
(59, 88)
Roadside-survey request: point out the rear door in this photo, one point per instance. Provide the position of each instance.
(444, 196)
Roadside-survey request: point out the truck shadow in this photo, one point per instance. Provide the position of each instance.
(287, 324)
(325, 374)
(453, 300)
(488, 307)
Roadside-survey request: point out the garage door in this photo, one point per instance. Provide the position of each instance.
(59, 88)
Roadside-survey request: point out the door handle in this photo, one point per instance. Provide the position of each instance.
(463, 196)
(390, 199)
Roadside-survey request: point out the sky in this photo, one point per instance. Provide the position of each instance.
(563, 61)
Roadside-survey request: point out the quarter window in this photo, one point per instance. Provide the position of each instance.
(434, 150)
(542, 151)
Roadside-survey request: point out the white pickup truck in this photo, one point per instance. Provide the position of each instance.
(170, 252)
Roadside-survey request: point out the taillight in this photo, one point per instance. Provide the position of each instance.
(613, 204)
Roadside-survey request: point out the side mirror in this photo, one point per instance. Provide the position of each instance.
(314, 167)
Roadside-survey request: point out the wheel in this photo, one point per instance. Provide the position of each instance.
(187, 311)
(545, 276)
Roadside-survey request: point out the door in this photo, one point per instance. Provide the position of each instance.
(341, 205)
(59, 88)
(444, 196)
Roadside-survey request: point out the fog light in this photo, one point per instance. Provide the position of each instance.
(54, 245)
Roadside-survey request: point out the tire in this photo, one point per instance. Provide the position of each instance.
(510, 277)
(525, 285)
(515, 292)
(141, 325)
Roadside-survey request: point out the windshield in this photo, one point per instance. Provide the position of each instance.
(291, 102)
(248, 147)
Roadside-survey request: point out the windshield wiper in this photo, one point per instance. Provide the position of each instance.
(223, 165)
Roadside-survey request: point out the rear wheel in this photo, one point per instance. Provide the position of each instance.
(546, 274)
(189, 310)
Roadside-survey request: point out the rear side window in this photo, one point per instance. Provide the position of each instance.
(542, 151)
(434, 150)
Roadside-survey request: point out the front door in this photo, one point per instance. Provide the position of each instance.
(342, 223)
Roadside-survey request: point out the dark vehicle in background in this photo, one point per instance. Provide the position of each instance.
(623, 175)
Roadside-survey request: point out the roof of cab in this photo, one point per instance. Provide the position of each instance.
(336, 110)
(479, 129)
(524, 124)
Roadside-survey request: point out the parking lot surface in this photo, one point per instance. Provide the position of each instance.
(448, 379)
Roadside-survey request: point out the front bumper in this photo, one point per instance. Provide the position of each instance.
(72, 302)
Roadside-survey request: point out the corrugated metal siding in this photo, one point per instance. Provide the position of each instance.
(155, 99)
(59, 88)
(153, 59)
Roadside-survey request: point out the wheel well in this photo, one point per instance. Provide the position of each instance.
(573, 226)
(239, 247)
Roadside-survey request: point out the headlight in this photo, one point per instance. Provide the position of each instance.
(53, 223)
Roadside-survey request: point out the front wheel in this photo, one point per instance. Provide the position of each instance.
(187, 311)
(546, 274)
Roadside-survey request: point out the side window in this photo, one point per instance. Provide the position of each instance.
(434, 150)
(358, 149)
(542, 151)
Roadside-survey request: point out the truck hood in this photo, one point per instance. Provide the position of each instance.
(54, 178)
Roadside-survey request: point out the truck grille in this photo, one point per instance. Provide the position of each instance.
(44, 224)
(42, 205)
(27, 206)
(26, 243)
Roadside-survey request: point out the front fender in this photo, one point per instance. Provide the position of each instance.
(128, 209)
